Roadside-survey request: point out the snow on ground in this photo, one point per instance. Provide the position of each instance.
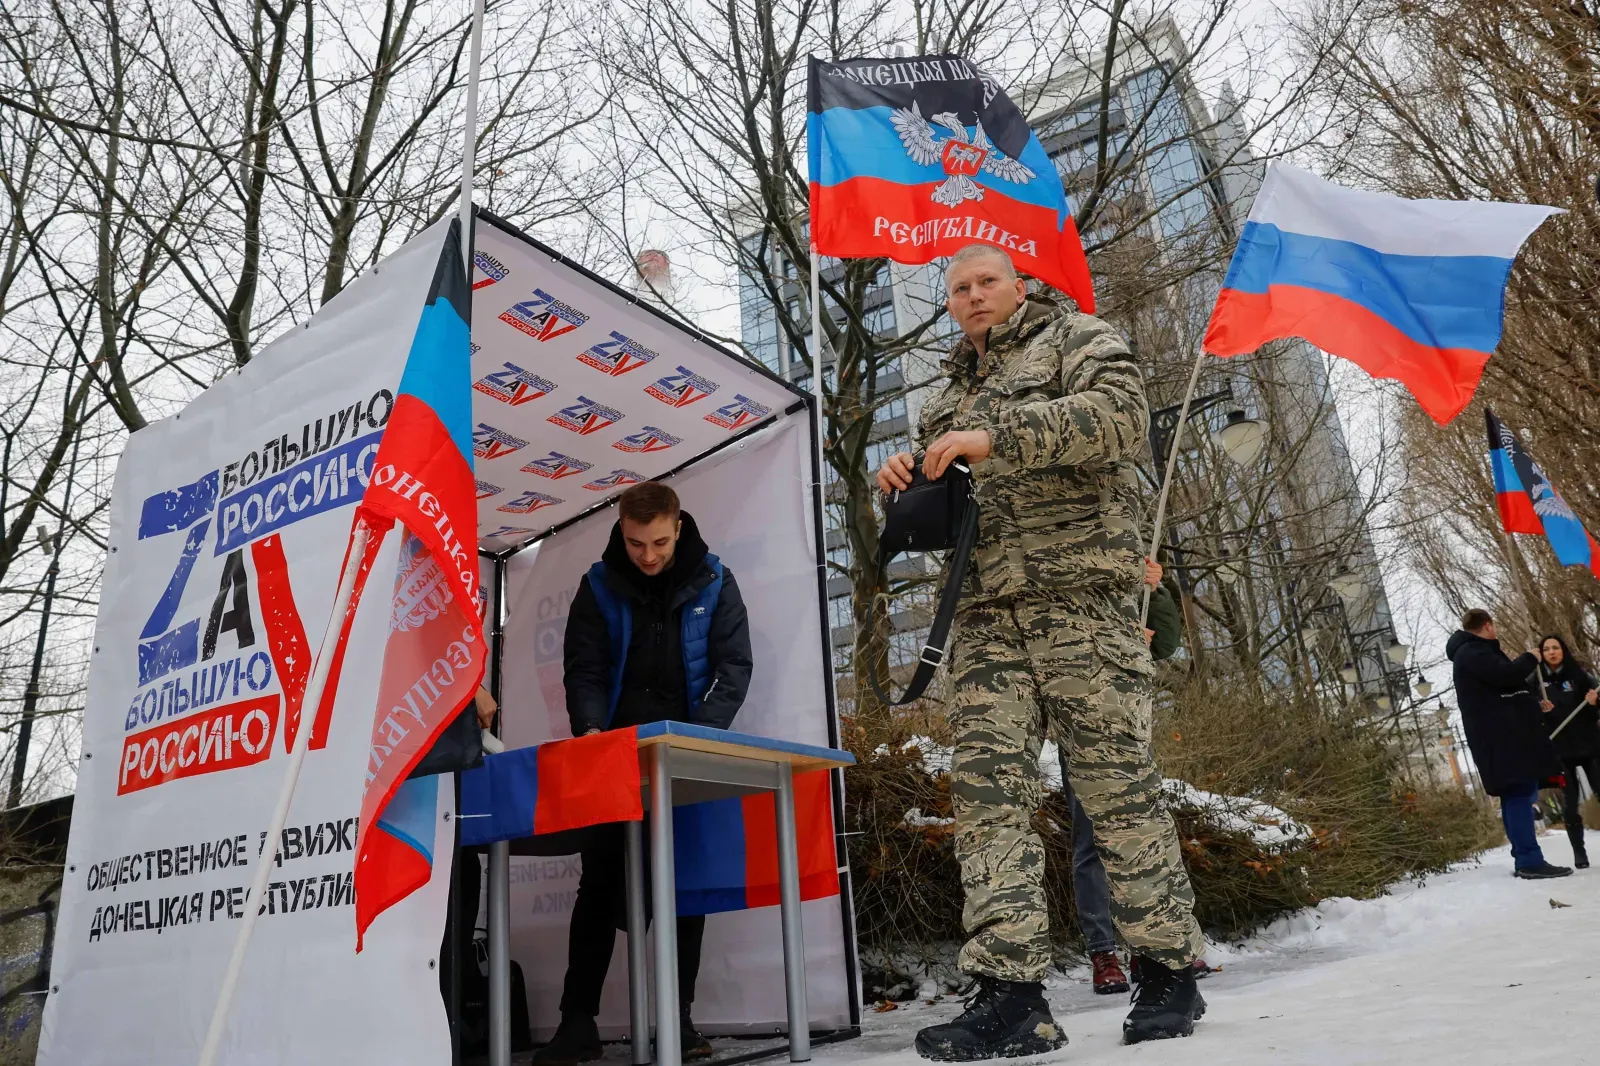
(1472, 966)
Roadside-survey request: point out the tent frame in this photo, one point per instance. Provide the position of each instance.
(499, 961)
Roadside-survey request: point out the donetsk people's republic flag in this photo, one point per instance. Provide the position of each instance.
(1530, 504)
(434, 657)
(913, 159)
(1412, 290)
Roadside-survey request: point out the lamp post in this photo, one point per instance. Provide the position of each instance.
(30, 699)
(1243, 438)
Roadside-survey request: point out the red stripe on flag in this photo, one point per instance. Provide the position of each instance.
(1442, 379)
(588, 781)
(871, 217)
(813, 820)
(388, 871)
(1517, 514)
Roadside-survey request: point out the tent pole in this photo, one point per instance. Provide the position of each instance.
(280, 814)
(1166, 481)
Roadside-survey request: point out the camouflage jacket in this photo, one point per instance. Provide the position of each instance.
(1058, 496)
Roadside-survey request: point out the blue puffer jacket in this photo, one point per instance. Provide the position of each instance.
(689, 660)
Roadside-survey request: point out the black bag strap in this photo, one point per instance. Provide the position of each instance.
(933, 651)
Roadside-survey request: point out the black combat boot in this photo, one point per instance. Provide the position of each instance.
(1003, 1019)
(1166, 1003)
(577, 1040)
(695, 1047)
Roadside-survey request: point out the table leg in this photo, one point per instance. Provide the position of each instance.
(794, 948)
(500, 953)
(638, 975)
(664, 896)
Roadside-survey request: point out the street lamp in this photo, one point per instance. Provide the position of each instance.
(1424, 689)
(1243, 438)
(1348, 673)
(1397, 651)
(1384, 703)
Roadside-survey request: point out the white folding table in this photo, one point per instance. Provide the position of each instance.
(679, 764)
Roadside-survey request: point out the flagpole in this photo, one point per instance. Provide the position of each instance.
(308, 714)
(499, 885)
(1166, 481)
(470, 148)
(816, 351)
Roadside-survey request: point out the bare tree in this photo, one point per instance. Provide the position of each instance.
(714, 100)
(1473, 99)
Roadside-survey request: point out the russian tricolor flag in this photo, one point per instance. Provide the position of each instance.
(725, 851)
(1529, 503)
(1411, 290)
(553, 787)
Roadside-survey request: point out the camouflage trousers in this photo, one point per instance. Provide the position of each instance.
(1075, 667)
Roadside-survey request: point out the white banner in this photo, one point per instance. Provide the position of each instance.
(228, 525)
(752, 502)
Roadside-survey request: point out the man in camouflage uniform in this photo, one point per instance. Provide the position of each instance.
(1047, 406)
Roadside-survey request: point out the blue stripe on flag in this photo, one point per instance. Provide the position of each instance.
(437, 371)
(862, 143)
(1505, 472)
(709, 856)
(410, 814)
(1439, 301)
(497, 798)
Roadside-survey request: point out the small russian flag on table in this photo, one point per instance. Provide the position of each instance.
(1412, 290)
(725, 851)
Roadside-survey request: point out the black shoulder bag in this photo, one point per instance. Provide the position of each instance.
(929, 516)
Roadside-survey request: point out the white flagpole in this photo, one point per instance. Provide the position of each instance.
(1166, 481)
(816, 356)
(280, 814)
(469, 150)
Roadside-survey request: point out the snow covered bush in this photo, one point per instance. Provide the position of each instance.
(1279, 803)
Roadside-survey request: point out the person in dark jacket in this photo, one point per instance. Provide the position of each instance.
(656, 632)
(1500, 713)
(1572, 716)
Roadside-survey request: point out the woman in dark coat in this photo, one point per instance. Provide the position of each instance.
(1500, 714)
(1573, 721)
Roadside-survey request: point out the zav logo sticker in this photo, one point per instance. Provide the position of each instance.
(223, 712)
(615, 480)
(544, 317)
(648, 439)
(508, 533)
(556, 466)
(485, 490)
(528, 502)
(514, 385)
(682, 389)
(491, 443)
(738, 414)
(585, 417)
(491, 268)
(616, 356)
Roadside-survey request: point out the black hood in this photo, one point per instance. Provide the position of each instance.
(1458, 640)
(686, 561)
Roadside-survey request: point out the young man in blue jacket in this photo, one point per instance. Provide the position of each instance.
(657, 632)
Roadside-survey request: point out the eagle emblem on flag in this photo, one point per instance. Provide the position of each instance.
(963, 158)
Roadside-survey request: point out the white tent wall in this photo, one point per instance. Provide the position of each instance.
(753, 502)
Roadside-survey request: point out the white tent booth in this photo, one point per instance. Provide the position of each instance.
(581, 390)
(229, 521)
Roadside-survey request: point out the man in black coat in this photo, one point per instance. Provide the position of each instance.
(1508, 741)
(656, 632)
